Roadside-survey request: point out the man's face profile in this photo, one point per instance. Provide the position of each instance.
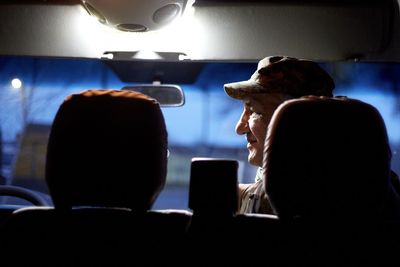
(253, 123)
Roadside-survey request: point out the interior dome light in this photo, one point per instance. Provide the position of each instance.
(136, 15)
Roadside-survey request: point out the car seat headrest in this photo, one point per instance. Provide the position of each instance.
(107, 148)
(326, 157)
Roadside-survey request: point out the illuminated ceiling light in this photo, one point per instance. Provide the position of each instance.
(16, 83)
(181, 39)
(136, 15)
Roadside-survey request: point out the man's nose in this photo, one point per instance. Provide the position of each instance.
(242, 126)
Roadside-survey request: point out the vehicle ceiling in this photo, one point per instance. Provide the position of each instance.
(240, 31)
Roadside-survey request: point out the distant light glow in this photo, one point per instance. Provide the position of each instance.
(16, 83)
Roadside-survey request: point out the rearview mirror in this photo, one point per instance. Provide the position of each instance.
(168, 95)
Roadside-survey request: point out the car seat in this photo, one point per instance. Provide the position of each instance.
(327, 174)
(106, 165)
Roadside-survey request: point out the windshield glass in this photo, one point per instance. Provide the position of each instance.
(33, 88)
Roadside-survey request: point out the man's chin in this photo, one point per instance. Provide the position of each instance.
(253, 161)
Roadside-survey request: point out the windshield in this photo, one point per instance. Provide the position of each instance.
(33, 88)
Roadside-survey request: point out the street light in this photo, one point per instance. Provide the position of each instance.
(16, 83)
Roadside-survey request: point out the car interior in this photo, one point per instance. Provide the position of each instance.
(117, 138)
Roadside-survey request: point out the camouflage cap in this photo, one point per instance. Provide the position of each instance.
(280, 74)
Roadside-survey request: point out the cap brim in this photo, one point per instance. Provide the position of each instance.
(239, 90)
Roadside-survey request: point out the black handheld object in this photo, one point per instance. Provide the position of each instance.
(213, 186)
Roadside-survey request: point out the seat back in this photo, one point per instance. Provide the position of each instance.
(93, 236)
(327, 157)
